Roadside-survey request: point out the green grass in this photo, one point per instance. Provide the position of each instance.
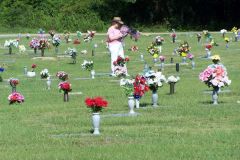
(185, 126)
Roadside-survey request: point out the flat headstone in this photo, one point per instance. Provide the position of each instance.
(221, 91)
(82, 78)
(45, 58)
(121, 115)
(64, 56)
(114, 80)
(75, 93)
(67, 135)
(8, 61)
(171, 64)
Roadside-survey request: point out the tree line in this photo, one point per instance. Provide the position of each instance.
(82, 15)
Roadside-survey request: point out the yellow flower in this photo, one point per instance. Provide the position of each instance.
(183, 54)
(215, 57)
(226, 39)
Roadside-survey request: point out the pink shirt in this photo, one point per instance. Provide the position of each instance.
(114, 36)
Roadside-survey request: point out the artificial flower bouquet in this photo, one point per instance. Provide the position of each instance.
(120, 68)
(134, 48)
(21, 48)
(33, 67)
(63, 76)
(13, 82)
(121, 61)
(162, 58)
(140, 86)
(56, 40)
(87, 65)
(172, 79)
(159, 41)
(190, 56)
(208, 46)
(72, 52)
(43, 44)
(184, 49)
(155, 80)
(52, 33)
(215, 76)
(44, 74)
(65, 87)
(96, 104)
(127, 85)
(34, 43)
(153, 51)
(15, 97)
(11, 43)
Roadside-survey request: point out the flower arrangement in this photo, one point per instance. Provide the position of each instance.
(76, 41)
(73, 53)
(125, 30)
(56, 40)
(134, 48)
(89, 36)
(134, 34)
(173, 79)
(44, 74)
(127, 85)
(208, 46)
(190, 56)
(34, 43)
(66, 36)
(33, 67)
(215, 76)
(65, 87)
(87, 65)
(96, 104)
(13, 82)
(121, 61)
(15, 97)
(140, 86)
(11, 43)
(162, 58)
(173, 35)
(79, 34)
(184, 49)
(226, 39)
(223, 31)
(159, 40)
(153, 51)
(155, 80)
(43, 44)
(52, 33)
(63, 76)
(22, 48)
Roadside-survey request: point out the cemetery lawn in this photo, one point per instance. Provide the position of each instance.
(184, 126)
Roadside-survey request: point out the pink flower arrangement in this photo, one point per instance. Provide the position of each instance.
(96, 104)
(34, 43)
(162, 58)
(190, 56)
(15, 97)
(215, 77)
(62, 75)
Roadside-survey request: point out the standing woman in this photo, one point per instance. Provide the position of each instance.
(114, 40)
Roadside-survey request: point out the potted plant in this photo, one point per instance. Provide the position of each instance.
(96, 104)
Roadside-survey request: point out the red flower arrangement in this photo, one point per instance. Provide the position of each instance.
(173, 35)
(65, 87)
(96, 104)
(140, 87)
(33, 67)
(121, 61)
(13, 82)
(208, 46)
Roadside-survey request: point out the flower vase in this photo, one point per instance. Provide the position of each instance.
(65, 97)
(172, 87)
(208, 54)
(137, 103)
(162, 65)
(215, 95)
(35, 50)
(49, 83)
(184, 59)
(96, 123)
(141, 57)
(25, 70)
(92, 74)
(131, 105)
(193, 64)
(14, 89)
(42, 52)
(173, 39)
(154, 99)
(56, 50)
(154, 60)
(10, 50)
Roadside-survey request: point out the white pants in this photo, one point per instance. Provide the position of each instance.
(115, 50)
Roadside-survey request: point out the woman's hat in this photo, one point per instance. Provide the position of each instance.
(118, 20)
(215, 57)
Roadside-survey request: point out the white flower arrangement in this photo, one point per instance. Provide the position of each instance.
(72, 52)
(223, 31)
(84, 52)
(87, 65)
(10, 43)
(155, 78)
(22, 48)
(173, 79)
(44, 73)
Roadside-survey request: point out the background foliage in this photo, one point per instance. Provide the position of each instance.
(96, 14)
